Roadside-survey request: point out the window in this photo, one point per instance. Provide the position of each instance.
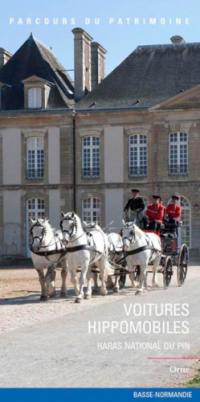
(34, 98)
(137, 155)
(35, 208)
(178, 154)
(90, 157)
(91, 210)
(35, 158)
(186, 219)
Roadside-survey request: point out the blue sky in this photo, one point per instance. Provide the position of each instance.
(120, 39)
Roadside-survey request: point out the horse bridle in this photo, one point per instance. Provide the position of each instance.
(131, 236)
(41, 237)
(139, 249)
(43, 233)
(71, 232)
(72, 227)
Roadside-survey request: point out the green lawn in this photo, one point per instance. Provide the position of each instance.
(195, 382)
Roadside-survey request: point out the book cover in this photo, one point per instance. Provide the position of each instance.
(99, 200)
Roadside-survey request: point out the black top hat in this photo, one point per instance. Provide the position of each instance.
(135, 190)
(156, 196)
(176, 197)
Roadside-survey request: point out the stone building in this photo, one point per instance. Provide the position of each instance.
(37, 97)
(145, 115)
(84, 145)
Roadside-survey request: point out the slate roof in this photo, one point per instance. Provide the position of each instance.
(149, 75)
(33, 58)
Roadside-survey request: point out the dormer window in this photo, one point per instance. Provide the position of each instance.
(34, 98)
(36, 92)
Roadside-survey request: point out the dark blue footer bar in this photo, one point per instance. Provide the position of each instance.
(98, 394)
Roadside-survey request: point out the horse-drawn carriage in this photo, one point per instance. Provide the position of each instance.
(88, 249)
(174, 257)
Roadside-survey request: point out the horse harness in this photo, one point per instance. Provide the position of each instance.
(46, 253)
(86, 247)
(63, 251)
(40, 238)
(148, 246)
(81, 247)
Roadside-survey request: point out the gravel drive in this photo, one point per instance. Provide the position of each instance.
(38, 348)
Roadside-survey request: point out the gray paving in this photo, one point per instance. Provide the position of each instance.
(61, 352)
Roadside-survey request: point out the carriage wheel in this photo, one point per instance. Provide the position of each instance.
(182, 265)
(167, 271)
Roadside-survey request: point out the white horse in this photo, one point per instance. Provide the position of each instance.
(83, 251)
(141, 249)
(47, 251)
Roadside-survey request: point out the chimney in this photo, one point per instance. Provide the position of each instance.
(98, 64)
(4, 56)
(82, 62)
(177, 40)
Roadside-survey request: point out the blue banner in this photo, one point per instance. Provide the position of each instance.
(98, 394)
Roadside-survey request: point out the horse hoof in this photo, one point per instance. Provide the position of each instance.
(116, 290)
(63, 295)
(138, 292)
(87, 296)
(52, 295)
(95, 291)
(103, 292)
(43, 298)
(78, 300)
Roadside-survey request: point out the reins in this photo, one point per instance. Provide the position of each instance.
(80, 247)
(47, 253)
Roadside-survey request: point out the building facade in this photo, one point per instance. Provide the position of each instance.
(84, 145)
(156, 152)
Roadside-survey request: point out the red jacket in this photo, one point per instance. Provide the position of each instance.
(174, 211)
(155, 212)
